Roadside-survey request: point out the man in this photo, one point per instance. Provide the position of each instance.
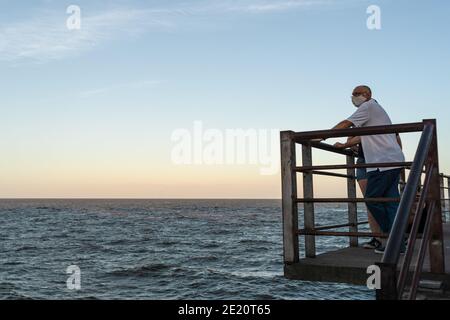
(381, 182)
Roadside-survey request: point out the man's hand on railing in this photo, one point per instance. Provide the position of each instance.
(340, 145)
(352, 143)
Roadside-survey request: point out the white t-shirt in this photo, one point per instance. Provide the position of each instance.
(377, 148)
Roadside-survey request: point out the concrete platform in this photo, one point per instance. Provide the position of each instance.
(349, 265)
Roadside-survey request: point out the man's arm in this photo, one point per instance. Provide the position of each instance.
(343, 125)
(351, 141)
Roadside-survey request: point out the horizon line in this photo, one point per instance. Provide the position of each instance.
(81, 198)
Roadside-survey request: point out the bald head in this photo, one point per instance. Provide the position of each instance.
(364, 91)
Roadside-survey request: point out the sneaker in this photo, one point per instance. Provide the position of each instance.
(381, 249)
(372, 244)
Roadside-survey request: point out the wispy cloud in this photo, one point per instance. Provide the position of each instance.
(266, 6)
(119, 87)
(47, 37)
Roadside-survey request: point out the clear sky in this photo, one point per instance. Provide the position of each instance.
(91, 112)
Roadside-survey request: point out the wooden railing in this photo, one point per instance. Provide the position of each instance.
(425, 161)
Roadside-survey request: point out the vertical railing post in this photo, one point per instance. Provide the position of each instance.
(442, 195)
(289, 197)
(352, 206)
(388, 283)
(436, 243)
(308, 192)
(448, 197)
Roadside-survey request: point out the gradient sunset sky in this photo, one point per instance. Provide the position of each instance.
(90, 113)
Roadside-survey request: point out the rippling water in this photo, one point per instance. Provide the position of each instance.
(155, 249)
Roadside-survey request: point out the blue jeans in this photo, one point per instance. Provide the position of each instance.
(383, 184)
(361, 173)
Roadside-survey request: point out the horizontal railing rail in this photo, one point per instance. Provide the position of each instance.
(353, 166)
(328, 147)
(336, 226)
(364, 131)
(358, 234)
(345, 200)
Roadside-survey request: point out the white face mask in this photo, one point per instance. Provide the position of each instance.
(358, 100)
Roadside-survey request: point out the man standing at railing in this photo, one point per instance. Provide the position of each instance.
(383, 148)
